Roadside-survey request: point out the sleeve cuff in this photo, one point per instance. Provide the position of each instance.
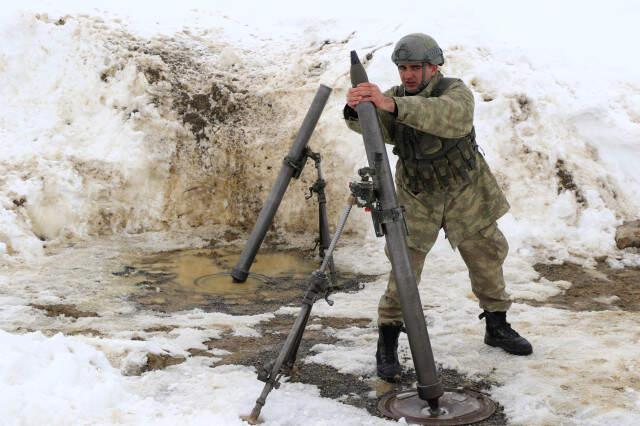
(401, 108)
(350, 113)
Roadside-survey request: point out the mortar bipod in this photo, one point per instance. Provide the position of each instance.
(318, 287)
(324, 238)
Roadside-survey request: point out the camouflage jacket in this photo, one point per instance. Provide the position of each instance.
(467, 207)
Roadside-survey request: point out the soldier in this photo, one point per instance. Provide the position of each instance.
(443, 181)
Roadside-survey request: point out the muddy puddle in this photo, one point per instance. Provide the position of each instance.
(592, 289)
(199, 278)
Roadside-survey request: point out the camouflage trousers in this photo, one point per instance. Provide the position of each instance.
(483, 252)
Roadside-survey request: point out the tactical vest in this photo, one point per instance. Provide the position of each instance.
(430, 162)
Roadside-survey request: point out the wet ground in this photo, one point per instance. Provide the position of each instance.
(64, 309)
(187, 279)
(597, 289)
(359, 391)
(181, 280)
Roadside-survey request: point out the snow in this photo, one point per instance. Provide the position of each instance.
(100, 156)
(95, 162)
(58, 380)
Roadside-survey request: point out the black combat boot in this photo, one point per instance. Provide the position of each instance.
(387, 353)
(500, 334)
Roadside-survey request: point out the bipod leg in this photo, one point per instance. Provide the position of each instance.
(292, 353)
(290, 360)
(275, 373)
(324, 239)
(323, 222)
(317, 288)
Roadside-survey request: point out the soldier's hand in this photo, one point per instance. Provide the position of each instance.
(370, 92)
(353, 98)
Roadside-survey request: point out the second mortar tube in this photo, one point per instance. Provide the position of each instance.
(271, 204)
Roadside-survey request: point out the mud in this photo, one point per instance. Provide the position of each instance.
(200, 352)
(358, 391)
(567, 183)
(188, 279)
(161, 361)
(85, 332)
(160, 329)
(66, 310)
(257, 351)
(597, 289)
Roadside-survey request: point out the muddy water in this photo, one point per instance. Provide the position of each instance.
(199, 278)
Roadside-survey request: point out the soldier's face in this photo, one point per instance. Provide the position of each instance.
(411, 75)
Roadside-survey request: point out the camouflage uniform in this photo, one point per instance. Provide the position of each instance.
(466, 208)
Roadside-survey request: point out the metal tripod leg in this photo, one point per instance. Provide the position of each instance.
(290, 360)
(323, 222)
(274, 376)
(325, 241)
(317, 286)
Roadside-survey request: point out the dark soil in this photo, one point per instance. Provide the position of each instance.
(602, 288)
(161, 328)
(85, 332)
(161, 361)
(70, 311)
(567, 183)
(362, 392)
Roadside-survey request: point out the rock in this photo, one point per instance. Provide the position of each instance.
(628, 235)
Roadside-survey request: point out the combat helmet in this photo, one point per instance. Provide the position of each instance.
(417, 48)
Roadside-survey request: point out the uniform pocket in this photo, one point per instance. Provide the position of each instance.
(426, 145)
(496, 240)
(489, 231)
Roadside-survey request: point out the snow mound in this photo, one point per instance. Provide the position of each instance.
(104, 131)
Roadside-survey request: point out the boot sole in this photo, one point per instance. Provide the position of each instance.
(390, 379)
(394, 379)
(512, 352)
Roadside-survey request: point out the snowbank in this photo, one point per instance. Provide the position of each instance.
(60, 380)
(107, 131)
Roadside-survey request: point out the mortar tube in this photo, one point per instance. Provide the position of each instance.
(429, 385)
(241, 271)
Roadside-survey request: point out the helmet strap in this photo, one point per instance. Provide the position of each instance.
(424, 82)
